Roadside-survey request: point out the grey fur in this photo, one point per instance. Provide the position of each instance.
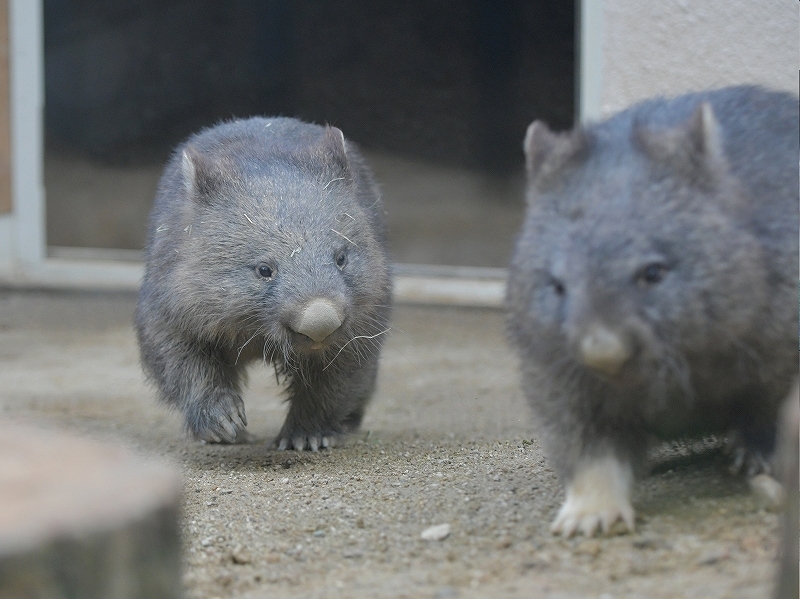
(673, 228)
(254, 220)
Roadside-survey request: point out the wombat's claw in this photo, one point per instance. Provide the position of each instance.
(229, 431)
(240, 418)
(568, 523)
(208, 436)
(301, 442)
(749, 463)
(597, 498)
(745, 459)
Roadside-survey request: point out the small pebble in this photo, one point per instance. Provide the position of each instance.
(240, 555)
(649, 542)
(436, 533)
(504, 542)
(590, 547)
(711, 557)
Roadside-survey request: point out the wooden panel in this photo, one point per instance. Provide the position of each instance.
(5, 115)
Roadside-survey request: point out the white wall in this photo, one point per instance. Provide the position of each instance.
(22, 231)
(675, 46)
(6, 244)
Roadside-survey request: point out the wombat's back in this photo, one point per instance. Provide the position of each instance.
(251, 146)
(759, 131)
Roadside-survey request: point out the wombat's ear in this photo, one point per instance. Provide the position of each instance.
(202, 176)
(333, 143)
(693, 149)
(547, 153)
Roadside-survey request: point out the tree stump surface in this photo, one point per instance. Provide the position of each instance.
(82, 519)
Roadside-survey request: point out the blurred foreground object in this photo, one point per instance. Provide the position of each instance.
(83, 519)
(788, 454)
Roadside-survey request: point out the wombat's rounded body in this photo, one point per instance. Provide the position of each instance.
(266, 242)
(653, 290)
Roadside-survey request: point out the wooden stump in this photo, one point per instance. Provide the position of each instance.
(79, 519)
(788, 451)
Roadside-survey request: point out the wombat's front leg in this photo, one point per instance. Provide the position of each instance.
(598, 495)
(203, 384)
(594, 453)
(325, 403)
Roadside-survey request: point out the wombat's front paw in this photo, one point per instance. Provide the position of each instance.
(219, 418)
(597, 498)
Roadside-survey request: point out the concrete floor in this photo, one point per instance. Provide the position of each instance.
(446, 441)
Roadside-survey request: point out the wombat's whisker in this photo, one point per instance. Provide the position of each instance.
(268, 348)
(239, 353)
(342, 235)
(375, 320)
(331, 181)
(353, 339)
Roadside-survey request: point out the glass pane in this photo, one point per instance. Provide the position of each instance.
(437, 94)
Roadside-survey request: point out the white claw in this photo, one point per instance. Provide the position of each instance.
(325, 442)
(242, 416)
(283, 445)
(313, 442)
(299, 443)
(597, 498)
(739, 454)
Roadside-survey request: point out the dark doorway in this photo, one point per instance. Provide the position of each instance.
(438, 94)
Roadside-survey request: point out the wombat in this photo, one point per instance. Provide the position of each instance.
(267, 241)
(653, 289)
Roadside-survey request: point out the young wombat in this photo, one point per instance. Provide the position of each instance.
(653, 290)
(266, 241)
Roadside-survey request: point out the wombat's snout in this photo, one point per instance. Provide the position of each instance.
(603, 350)
(318, 319)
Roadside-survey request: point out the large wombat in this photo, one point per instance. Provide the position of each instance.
(653, 290)
(267, 241)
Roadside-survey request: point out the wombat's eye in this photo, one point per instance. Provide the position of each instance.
(265, 271)
(558, 287)
(340, 259)
(650, 275)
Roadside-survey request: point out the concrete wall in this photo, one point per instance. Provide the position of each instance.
(667, 48)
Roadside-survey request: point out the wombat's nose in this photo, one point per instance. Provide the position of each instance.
(317, 320)
(603, 350)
